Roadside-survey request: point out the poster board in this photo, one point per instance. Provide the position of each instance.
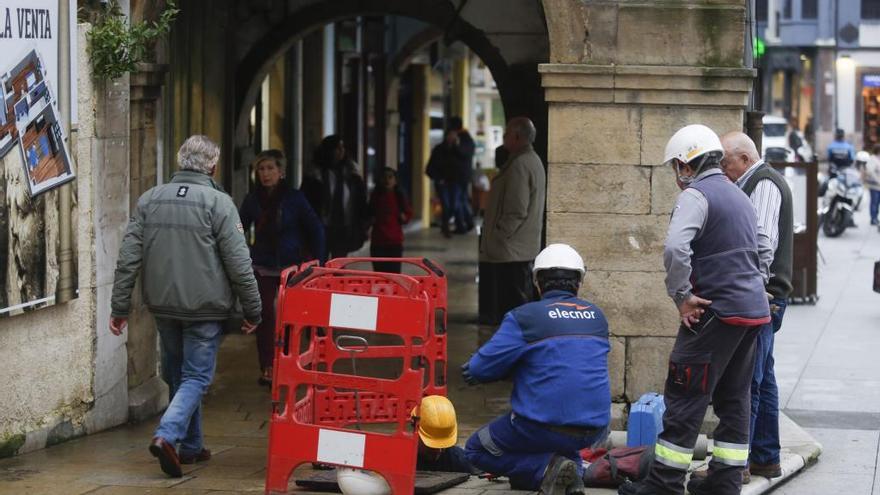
(34, 157)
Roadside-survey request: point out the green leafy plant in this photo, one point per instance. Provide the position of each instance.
(116, 47)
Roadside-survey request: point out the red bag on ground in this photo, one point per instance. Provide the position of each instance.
(611, 468)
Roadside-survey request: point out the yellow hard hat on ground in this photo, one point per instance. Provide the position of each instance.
(437, 426)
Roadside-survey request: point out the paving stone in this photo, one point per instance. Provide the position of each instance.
(230, 471)
(130, 490)
(139, 475)
(250, 484)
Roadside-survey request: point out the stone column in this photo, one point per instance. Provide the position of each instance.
(461, 88)
(421, 148)
(147, 393)
(623, 78)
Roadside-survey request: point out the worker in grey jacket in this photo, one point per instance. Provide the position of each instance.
(186, 240)
(716, 269)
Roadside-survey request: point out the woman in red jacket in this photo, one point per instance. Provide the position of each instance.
(391, 211)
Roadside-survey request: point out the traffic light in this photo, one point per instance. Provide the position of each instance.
(759, 48)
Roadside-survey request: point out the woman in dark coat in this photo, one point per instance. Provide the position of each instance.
(286, 231)
(339, 195)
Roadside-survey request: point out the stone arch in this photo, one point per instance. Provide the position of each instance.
(568, 31)
(438, 13)
(408, 51)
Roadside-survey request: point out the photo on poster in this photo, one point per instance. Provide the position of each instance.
(32, 119)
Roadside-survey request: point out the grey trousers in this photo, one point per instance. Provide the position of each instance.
(713, 361)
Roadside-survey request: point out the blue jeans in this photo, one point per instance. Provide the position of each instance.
(765, 393)
(521, 449)
(446, 196)
(875, 204)
(464, 218)
(188, 357)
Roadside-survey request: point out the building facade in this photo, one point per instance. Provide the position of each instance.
(820, 66)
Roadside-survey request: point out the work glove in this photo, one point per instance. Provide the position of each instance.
(466, 374)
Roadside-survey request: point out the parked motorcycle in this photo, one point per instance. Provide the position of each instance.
(842, 196)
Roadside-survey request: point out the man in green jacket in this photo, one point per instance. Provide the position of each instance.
(187, 237)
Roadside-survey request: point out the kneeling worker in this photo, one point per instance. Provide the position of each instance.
(556, 351)
(438, 432)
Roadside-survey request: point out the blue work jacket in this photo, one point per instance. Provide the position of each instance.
(556, 351)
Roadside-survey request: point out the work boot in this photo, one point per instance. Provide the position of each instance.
(576, 487)
(698, 484)
(559, 475)
(638, 488)
(765, 470)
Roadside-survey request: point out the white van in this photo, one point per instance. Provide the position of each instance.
(776, 142)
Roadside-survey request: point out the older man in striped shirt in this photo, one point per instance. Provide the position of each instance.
(771, 197)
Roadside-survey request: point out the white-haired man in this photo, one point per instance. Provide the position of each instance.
(511, 233)
(187, 240)
(771, 197)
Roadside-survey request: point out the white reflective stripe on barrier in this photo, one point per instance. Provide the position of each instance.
(340, 447)
(357, 312)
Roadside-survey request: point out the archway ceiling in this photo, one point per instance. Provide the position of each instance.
(511, 41)
(518, 29)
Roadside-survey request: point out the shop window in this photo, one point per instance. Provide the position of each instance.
(871, 102)
(786, 10)
(761, 10)
(810, 9)
(870, 9)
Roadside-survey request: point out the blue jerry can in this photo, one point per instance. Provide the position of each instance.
(645, 420)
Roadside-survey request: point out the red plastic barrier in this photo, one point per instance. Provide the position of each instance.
(433, 282)
(313, 408)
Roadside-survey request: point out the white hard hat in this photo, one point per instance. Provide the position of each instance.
(360, 482)
(862, 156)
(690, 142)
(560, 256)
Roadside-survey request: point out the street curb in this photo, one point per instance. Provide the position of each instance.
(799, 450)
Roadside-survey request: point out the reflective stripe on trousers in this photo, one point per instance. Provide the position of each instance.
(672, 455)
(732, 454)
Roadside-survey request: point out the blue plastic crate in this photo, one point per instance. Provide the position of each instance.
(645, 420)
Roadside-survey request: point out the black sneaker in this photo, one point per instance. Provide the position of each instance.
(697, 485)
(560, 474)
(628, 488)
